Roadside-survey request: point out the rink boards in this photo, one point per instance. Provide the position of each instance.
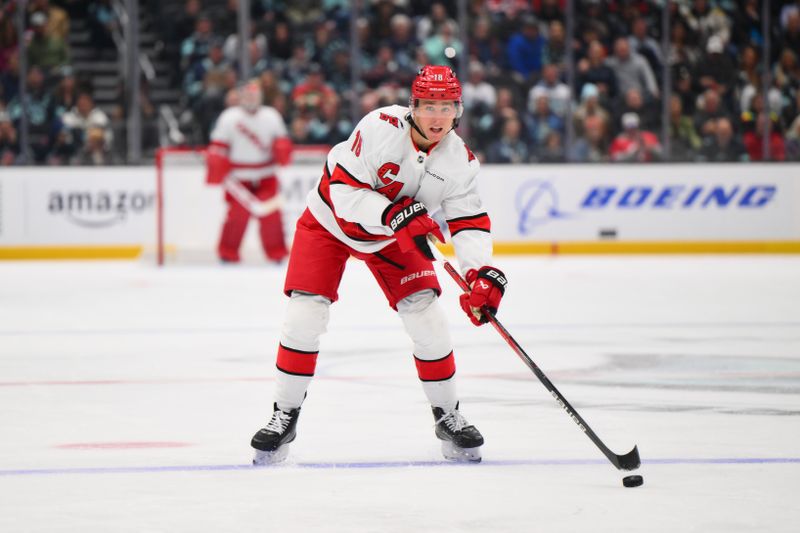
(111, 212)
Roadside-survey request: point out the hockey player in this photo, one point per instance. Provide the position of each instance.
(373, 202)
(247, 143)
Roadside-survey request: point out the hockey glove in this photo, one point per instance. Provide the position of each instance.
(488, 284)
(411, 224)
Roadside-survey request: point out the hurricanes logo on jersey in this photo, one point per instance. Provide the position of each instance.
(387, 174)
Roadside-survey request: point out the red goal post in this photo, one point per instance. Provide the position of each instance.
(190, 213)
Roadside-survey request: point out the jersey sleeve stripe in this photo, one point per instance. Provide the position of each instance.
(219, 144)
(479, 222)
(341, 175)
(351, 229)
(438, 370)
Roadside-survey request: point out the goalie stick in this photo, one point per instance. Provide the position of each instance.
(257, 208)
(629, 461)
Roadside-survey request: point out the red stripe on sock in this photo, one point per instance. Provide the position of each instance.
(296, 362)
(437, 370)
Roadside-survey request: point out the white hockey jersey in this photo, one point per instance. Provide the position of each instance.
(248, 139)
(379, 164)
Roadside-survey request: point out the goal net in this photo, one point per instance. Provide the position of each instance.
(190, 213)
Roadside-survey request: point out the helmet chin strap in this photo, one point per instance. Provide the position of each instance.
(410, 120)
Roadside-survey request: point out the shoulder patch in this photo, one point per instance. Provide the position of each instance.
(470, 155)
(394, 121)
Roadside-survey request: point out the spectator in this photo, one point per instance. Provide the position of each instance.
(95, 150)
(590, 107)
(793, 140)
(436, 45)
(227, 18)
(308, 96)
(479, 96)
(641, 43)
(9, 140)
(403, 41)
(753, 139)
(790, 37)
(430, 24)
(556, 48)
(328, 127)
(509, 148)
(722, 146)
(591, 146)
(65, 95)
(525, 49)
(705, 21)
(681, 53)
(541, 122)
(684, 140)
(45, 51)
(57, 18)
(85, 116)
(717, 70)
(593, 69)
(634, 144)
(633, 102)
(631, 70)
(8, 41)
(197, 45)
(552, 151)
(685, 89)
(549, 10)
(552, 88)
(42, 123)
(786, 72)
(280, 42)
(205, 78)
(485, 47)
(103, 22)
(709, 109)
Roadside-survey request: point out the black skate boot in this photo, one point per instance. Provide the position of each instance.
(461, 441)
(272, 442)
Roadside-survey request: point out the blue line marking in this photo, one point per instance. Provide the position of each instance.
(389, 464)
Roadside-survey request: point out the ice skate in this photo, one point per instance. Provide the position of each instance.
(461, 441)
(271, 443)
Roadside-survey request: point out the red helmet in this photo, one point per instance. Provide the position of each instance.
(436, 83)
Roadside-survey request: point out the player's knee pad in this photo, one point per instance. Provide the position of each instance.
(306, 320)
(425, 323)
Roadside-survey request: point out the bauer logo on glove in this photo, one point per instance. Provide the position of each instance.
(488, 285)
(409, 220)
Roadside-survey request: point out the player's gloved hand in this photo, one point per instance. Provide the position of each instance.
(488, 284)
(409, 220)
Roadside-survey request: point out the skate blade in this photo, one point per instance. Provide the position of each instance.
(263, 458)
(451, 452)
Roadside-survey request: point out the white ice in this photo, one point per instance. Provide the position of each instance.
(128, 396)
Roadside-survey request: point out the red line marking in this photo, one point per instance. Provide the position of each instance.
(119, 445)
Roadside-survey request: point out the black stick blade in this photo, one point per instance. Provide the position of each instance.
(629, 461)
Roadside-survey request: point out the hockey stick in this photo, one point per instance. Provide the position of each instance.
(257, 208)
(629, 461)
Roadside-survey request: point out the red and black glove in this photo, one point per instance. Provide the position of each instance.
(411, 224)
(488, 284)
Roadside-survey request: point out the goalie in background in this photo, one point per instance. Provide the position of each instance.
(248, 142)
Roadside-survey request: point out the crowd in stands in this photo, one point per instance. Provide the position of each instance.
(518, 105)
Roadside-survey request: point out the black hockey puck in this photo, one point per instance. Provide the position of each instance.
(633, 481)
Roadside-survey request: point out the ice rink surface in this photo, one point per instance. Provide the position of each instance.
(128, 396)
